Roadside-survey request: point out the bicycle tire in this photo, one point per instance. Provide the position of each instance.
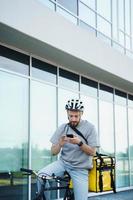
(69, 195)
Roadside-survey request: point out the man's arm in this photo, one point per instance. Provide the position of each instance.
(55, 149)
(84, 147)
(88, 149)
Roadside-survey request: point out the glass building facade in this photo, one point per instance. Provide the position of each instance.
(109, 20)
(33, 93)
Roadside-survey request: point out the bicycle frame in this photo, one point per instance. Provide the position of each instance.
(40, 195)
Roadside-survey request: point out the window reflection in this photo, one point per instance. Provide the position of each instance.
(89, 87)
(90, 111)
(87, 15)
(121, 146)
(128, 42)
(120, 97)
(103, 8)
(86, 26)
(132, 22)
(63, 97)
(14, 61)
(14, 135)
(130, 117)
(104, 38)
(121, 38)
(106, 93)
(43, 123)
(48, 3)
(67, 15)
(69, 5)
(103, 26)
(68, 79)
(114, 20)
(127, 16)
(43, 70)
(106, 126)
(121, 14)
(90, 3)
(130, 100)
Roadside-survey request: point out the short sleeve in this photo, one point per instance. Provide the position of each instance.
(93, 138)
(57, 134)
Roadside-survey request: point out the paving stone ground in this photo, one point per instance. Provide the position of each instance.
(124, 195)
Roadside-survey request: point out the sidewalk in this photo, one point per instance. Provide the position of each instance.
(124, 195)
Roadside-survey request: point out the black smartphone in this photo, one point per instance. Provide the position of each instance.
(70, 135)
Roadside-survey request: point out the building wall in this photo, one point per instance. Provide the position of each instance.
(66, 42)
(44, 60)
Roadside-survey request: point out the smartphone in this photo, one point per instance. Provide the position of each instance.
(70, 135)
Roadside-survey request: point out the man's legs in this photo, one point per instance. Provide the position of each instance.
(56, 168)
(80, 183)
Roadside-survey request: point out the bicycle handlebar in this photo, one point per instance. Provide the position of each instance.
(46, 177)
(26, 170)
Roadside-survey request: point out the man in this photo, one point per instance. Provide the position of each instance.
(76, 151)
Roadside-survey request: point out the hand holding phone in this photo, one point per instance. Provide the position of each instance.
(70, 135)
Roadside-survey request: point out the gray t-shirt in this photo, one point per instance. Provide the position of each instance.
(71, 153)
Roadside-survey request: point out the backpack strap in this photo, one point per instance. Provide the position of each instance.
(112, 175)
(78, 132)
(112, 171)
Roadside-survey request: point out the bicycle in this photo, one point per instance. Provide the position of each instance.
(44, 178)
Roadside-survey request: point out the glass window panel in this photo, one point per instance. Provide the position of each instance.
(132, 44)
(43, 106)
(67, 15)
(90, 3)
(122, 166)
(128, 42)
(104, 38)
(121, 38)
(13, 60)
(69, 5)
(87, 15)
(44, 71)
(132, 20)
(118, 47)
(43, 125)
(104, 26)
(106, 92)
(64, 96)
(104, 8)
(130, 100)
(106, 127)
(130, 117)
(14, 135)
(48, 3)
(121, 14)
(90, 110)
(120, 97)
(68, 79)
(127, 16)
(129, 54)
(87, 27)
(114, 20)
(89, 87)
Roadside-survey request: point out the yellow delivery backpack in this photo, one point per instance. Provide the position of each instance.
(102, 175)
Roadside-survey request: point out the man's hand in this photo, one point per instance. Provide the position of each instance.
(55, 149)
(86, 148)
(63, 140)
(74, 140)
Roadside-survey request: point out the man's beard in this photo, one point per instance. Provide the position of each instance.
(73, 124)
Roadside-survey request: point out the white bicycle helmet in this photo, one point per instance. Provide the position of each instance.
(75, 105)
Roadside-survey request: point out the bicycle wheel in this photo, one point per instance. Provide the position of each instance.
(40, 197)
(69, 195)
